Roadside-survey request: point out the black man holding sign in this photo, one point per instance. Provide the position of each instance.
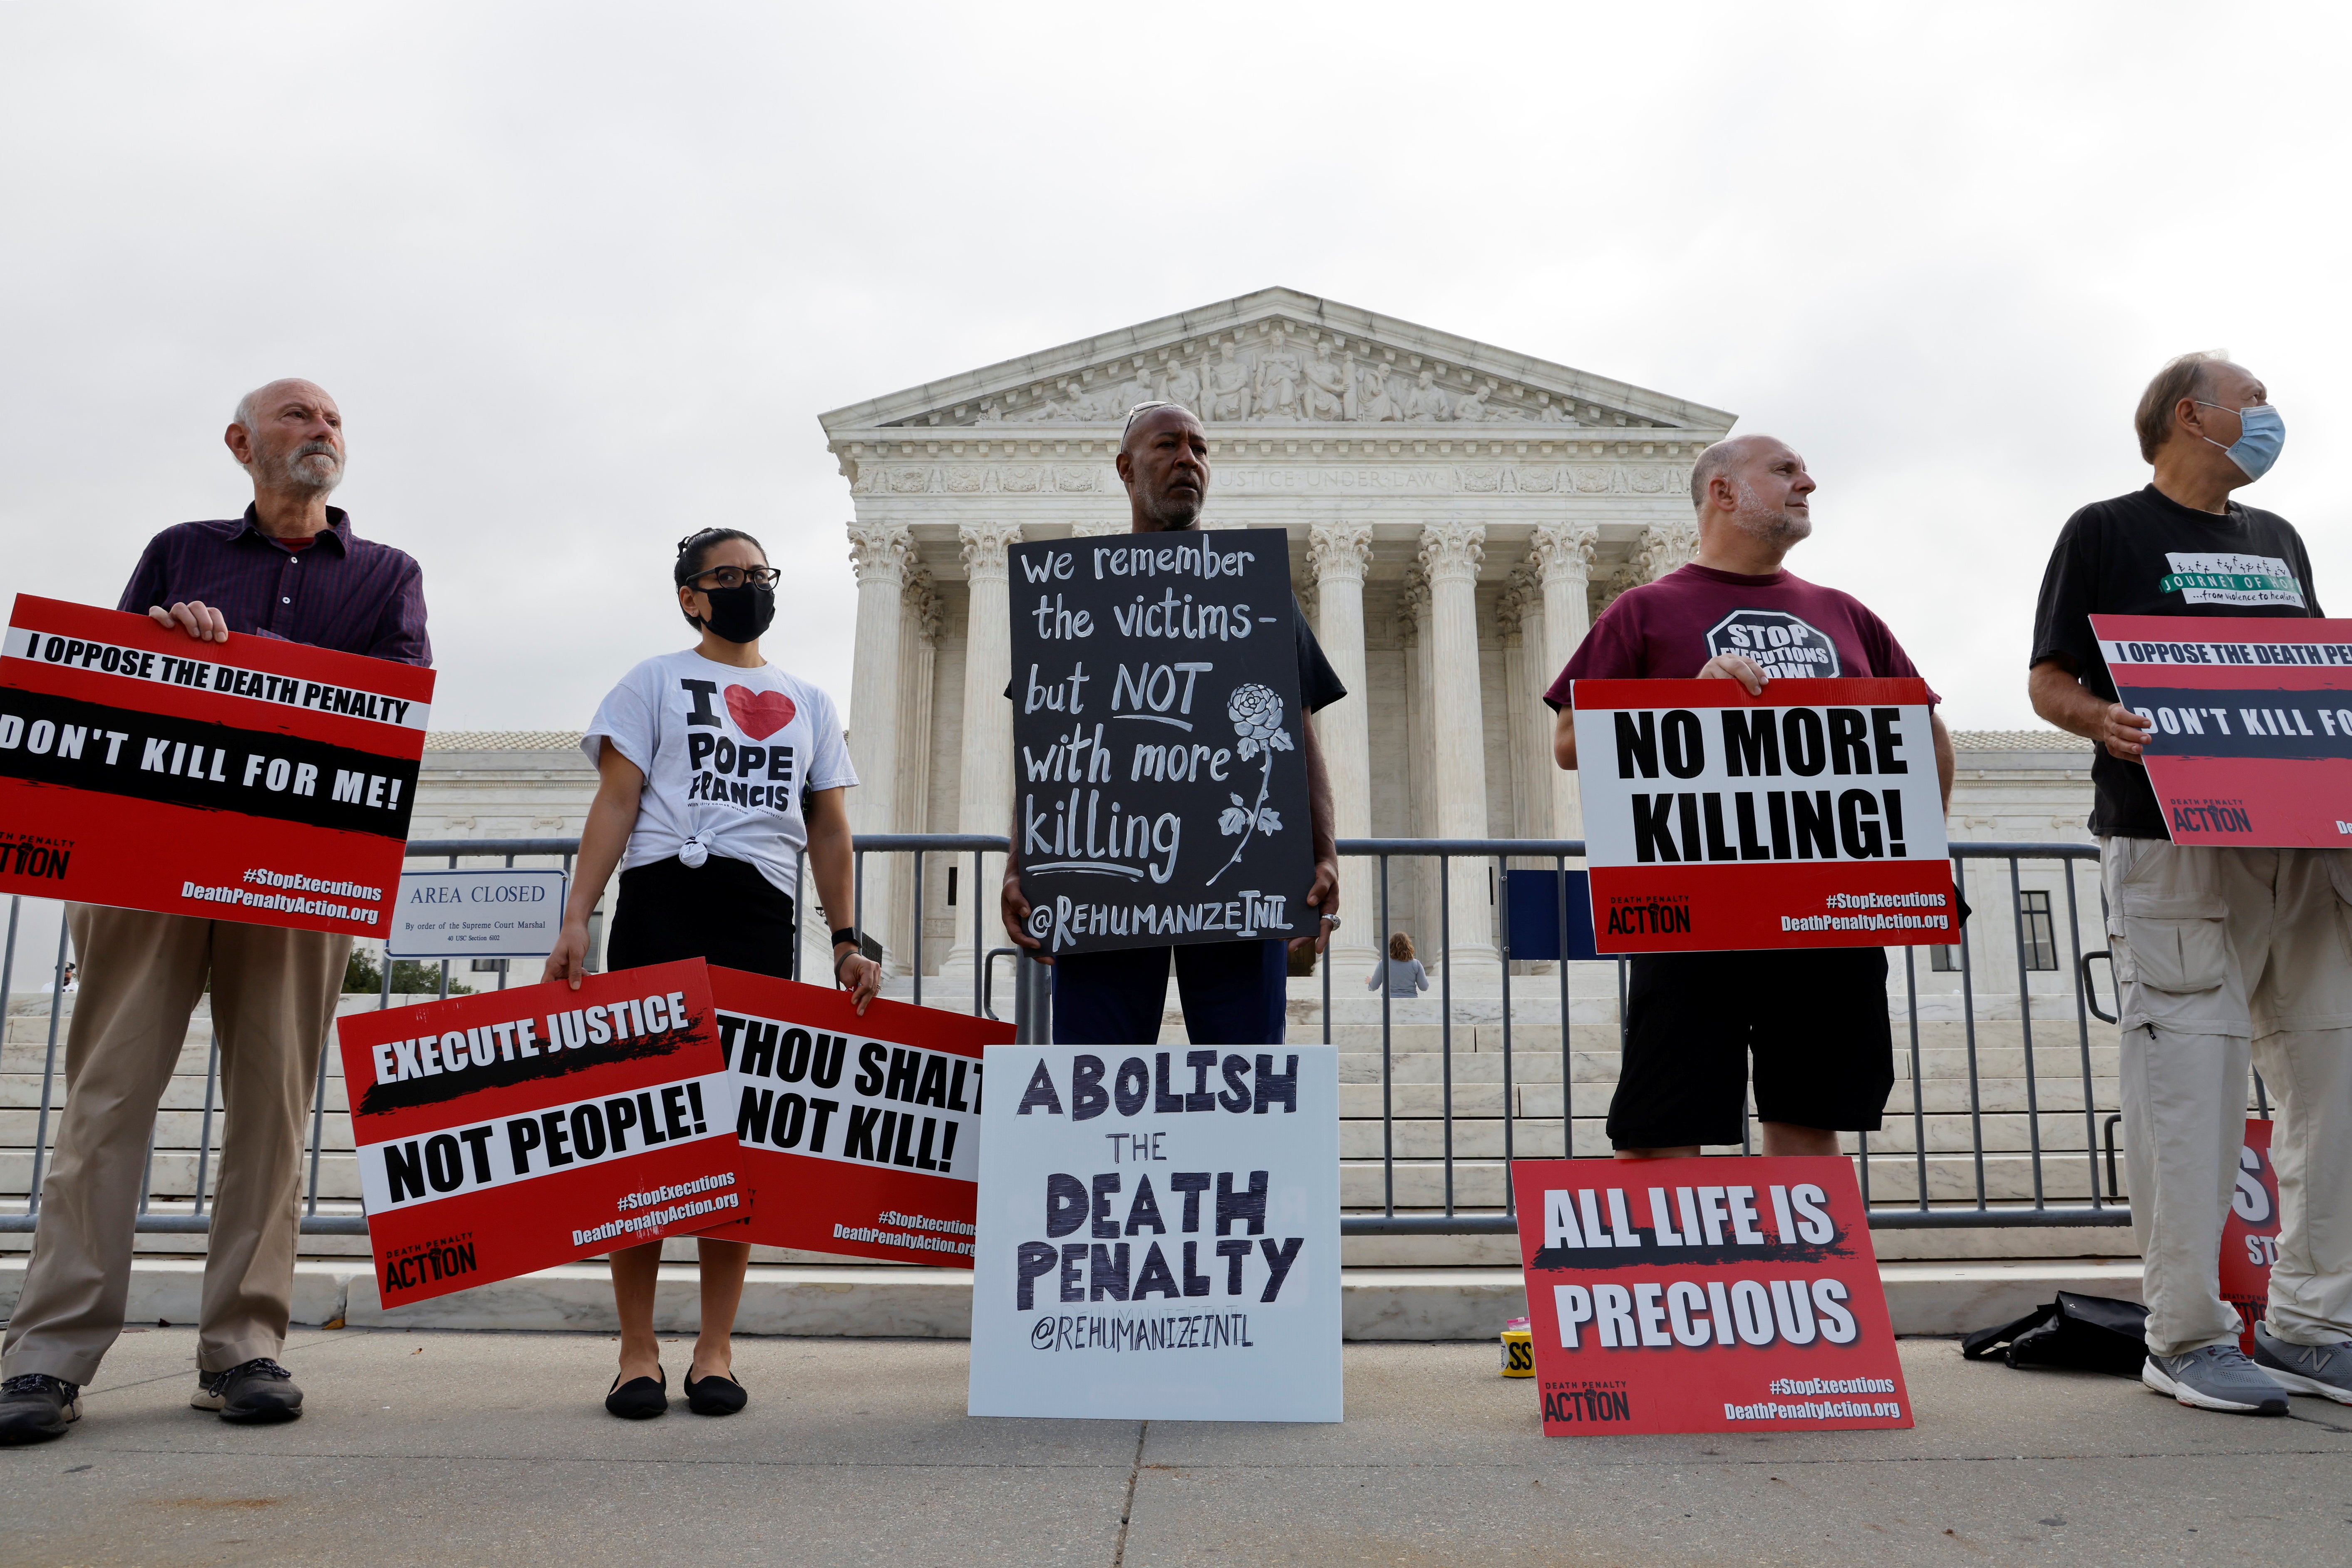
(1172, 798)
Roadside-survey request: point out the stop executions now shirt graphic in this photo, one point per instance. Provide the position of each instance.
(1669, 629)
(1779, 643)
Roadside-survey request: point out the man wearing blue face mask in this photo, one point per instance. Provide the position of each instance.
(2220, 953)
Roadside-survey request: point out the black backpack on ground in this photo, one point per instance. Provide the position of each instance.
(2080, 1334)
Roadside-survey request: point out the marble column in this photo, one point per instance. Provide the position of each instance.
(1561, 558)
(881, 553)
(1531, 737)
(1412, 896)
(1338, 553)
(1450, 555)
(918, 632)
(1664, 547)
(985, 800)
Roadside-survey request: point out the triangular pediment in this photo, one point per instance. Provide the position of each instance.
(1284, 358)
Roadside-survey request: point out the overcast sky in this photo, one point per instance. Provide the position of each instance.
(583, 275)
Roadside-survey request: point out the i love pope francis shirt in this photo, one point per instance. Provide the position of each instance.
(727, 754)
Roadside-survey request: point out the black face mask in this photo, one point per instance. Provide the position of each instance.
(741, 614)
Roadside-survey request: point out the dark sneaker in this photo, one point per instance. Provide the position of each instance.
(2324, 1370)
(2219, 1377)
(256, 1391)
(35, 1407)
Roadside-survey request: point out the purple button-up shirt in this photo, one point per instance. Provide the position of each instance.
(343, 592)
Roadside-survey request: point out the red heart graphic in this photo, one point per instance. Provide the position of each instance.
(759, 714)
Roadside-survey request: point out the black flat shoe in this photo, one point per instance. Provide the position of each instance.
(641, 1399)
(718, 1394)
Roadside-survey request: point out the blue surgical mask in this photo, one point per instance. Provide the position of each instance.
(2261, 434)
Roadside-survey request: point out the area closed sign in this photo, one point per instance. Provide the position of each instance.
(495, 913)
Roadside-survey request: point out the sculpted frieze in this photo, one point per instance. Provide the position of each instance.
(1288, 372)
(1416, 478)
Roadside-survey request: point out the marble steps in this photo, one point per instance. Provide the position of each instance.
(1537, 1137)
(2052, 1064)
(174, 1173)
(182, 1092)
(2067, 1169)
(869, 1302)
(1951, 1177)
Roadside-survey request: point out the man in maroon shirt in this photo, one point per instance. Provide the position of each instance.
(1815, 1018)
(289, 568)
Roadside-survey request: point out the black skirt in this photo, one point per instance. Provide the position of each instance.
(724, 911)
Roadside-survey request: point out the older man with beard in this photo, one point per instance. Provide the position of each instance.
(1814, 1018)
(291, 568)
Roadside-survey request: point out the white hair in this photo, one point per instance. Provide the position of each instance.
(245, 413)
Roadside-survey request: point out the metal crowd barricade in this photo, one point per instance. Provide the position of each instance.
(1029, 1007)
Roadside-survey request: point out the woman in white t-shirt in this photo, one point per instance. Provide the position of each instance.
(717, 772)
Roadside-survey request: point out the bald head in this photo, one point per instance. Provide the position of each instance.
(288, 435)
(1754, 501)
(1727, 456)
(1163, 460)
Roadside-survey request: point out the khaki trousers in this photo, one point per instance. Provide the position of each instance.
(2221, 955)
(140, 977)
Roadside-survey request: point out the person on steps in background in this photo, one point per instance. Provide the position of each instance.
(1403, 970)
(708, 869)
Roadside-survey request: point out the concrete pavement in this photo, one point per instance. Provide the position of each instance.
(471, 1447)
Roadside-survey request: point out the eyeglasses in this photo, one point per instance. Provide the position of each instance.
(736, 576)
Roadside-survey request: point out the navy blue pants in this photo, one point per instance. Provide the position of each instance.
(1232, 995)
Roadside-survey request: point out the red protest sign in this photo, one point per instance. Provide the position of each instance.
(516, 1129)
(253, 780)
(1704, 1295)
(2250, 1233)
(1808, 817)
(2252, 744)
(864, 1133)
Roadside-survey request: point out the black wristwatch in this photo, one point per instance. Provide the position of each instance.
(847, 935)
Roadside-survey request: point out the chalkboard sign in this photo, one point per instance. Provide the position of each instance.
(1159, 756)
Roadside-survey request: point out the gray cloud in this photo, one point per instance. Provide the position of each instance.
(583, 275)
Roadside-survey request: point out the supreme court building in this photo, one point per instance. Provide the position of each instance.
(1457, 515)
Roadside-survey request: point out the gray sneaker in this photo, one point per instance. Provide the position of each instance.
(2219, 1377)
(2324, 1370)
(254, 1391)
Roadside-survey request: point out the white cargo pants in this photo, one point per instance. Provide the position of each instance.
(2220, 954)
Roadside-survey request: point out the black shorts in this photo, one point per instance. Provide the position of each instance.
(1815, 1019)
(724, 911)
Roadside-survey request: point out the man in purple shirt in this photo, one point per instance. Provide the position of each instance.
(1814, 1020)
(291, 568)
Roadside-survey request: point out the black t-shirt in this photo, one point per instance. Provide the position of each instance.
(1319, 684)
(2146, 554)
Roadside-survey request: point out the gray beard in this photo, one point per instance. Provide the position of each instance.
(1173, 517)
(292, 472)
(1764, 522)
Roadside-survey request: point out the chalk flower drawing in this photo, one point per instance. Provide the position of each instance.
(1257, 713)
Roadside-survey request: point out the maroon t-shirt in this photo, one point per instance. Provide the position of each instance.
(1668, 629)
